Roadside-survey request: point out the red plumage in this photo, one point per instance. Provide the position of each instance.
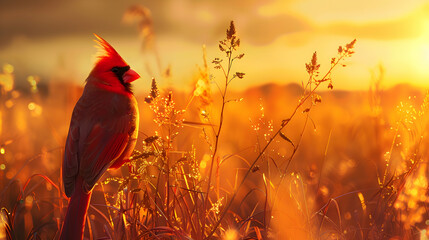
(102, 134)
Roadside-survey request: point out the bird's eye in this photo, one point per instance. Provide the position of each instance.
(115, 69)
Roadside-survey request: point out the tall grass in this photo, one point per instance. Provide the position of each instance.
(166, 194)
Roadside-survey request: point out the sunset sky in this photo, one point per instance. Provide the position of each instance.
(53, 39)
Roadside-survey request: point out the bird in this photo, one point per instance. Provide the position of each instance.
(102, 134)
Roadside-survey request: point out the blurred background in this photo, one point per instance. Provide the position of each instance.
(53, 39)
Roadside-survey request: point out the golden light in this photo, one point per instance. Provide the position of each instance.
(204, 161)
(7, 68)
(419, 53)
(33, 80)
(31, 106)
(199, 88)
(425, 50)
(362, 201)
(36, 110)
(424, 234)
(231, 234)
(6, 78)
(425, 41)
(278, 38)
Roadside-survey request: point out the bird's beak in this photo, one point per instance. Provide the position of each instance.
(130, 76)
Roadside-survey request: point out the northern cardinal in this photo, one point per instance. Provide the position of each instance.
(102, 134)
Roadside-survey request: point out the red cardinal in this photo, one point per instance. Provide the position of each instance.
(102, 134)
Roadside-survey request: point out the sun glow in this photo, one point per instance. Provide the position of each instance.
(425, 41)
(422, 53)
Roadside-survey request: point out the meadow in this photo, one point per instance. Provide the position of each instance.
(292, 161)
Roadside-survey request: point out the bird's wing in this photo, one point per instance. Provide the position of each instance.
(97, 136)
(102, 147)
(70, 166)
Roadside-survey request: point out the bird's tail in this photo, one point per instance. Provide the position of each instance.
(74, 222)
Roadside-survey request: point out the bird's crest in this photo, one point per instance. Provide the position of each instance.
(107, 52)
